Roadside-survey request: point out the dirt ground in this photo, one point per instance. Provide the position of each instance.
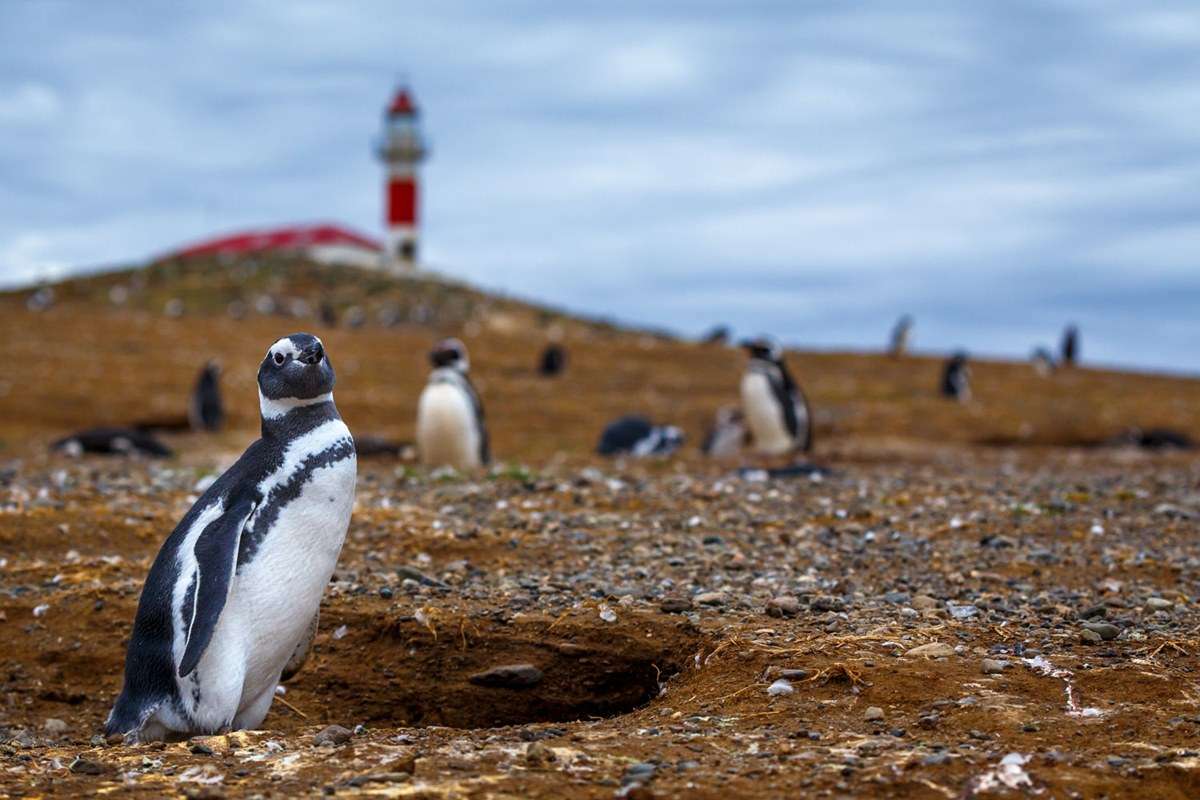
(694, 633)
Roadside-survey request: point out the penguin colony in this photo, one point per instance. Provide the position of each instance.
(231, 603)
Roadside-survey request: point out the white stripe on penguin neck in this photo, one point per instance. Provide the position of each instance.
(274, 409)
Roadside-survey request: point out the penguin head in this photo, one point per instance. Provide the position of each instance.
(295, 368)
(449, 353)
(764, 348)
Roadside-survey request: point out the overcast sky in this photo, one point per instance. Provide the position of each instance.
(807, 169)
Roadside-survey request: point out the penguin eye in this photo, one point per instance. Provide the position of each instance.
(279, 358)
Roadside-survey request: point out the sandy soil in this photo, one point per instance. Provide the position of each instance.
(660, 601)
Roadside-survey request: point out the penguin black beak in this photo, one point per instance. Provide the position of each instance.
(312, 355)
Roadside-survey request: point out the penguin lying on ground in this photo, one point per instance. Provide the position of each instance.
(112, 441)
(639, 437)
(232, 597)
(775, 408)
(206, 412)
(450, 425)
(956, 378)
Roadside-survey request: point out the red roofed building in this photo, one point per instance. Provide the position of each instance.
(326, 243)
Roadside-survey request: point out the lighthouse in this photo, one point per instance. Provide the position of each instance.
(401, 150)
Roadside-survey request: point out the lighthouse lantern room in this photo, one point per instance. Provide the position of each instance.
(401, 150)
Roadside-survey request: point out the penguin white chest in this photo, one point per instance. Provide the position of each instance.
(764, 416)
(446, 430)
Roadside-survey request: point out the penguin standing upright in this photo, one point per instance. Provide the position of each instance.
(956, 378)
(232, 597)
(450, 425)
(775, 409)
(553, 360)
(206, 412)
(1070, 346)
(900, 336)
(727, 435)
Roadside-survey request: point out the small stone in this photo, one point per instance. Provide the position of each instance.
(711, 598)
(508, 676)
(538, 754)
(201, 749)
(332, 735)
(780, 687)
(783, 606)
(1159, 604)
(55, 727)
(993, 666)
(794, 674)
(639, 773)
(1098, 610)
(1107, 630)
(873, 714)
(675, 605)
(379, 777)
(1090, 637)
(827, 603)
(923, 602)
(931, 650)
(82, 766)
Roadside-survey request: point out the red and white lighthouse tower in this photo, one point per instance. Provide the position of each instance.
(401, 150)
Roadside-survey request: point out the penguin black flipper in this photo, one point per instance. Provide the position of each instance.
(794, 403)
(485, 447)
(216, 559)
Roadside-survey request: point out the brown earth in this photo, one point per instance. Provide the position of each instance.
(921, 533)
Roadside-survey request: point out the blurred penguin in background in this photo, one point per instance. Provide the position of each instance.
(450, 425)
(956, 378)
(206, 412)
(553, 361)
(900, 336)
(1070, 346)
(727, 436)
(775, 409)
(1043, 362)
(637, 436)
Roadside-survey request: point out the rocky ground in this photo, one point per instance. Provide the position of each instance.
(937, 616)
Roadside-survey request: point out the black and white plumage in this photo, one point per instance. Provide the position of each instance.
(553, 361)
(727, 436)
(233, 593)
(206, 412)
(637, 436)
(956, 378)
(451, 430)
(112, 442)
(776, 410)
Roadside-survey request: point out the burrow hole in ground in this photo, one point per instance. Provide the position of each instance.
(397, 674)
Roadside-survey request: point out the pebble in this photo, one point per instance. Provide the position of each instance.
(1159, 604)
(931, 650)
(711, 598)
(508, 676)
(923, 603)
(639, 773)
(55, 727)
(675, 605)
(332, 735)
(993, 666)
(83, 766)
(1090, 637)
(827, 603)
(783, 606)
(780, 687)
(1098, 610)
(1106, 630)
(873, 714)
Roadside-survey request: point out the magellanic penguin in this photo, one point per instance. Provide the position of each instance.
(727, 436)
(206, 412)
(236, 587)
(637, 436)
(1070, 345)
(956, 378)
(450, 425)
(775, 408)
(900, 336)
